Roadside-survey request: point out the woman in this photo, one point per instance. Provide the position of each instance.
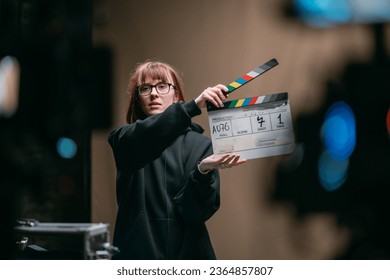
(167, 177)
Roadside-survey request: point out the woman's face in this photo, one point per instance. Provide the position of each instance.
(156, 103)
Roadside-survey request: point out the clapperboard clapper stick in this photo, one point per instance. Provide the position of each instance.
(243, 80)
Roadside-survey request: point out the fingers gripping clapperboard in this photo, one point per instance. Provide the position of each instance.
(253, 127)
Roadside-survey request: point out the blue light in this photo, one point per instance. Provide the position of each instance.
(339, 138)
(324, 13)
(339, 131)
(332, 173)
(66, 147)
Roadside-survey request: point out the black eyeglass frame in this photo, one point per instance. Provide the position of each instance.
(156, 87)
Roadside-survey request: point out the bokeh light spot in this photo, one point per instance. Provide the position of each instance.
(66, 147)
(332, 173)
(339, 131)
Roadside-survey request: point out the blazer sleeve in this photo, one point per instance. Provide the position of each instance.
(136, 144)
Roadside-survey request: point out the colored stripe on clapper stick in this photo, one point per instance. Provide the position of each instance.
(239, 82)
(256, 100)
(250, 101)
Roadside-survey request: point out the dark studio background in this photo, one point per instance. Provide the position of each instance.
(360, 202)
(64, 92)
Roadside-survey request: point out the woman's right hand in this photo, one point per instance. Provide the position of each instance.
(215, 95)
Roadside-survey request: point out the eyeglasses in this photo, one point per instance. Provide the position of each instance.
(162, 88)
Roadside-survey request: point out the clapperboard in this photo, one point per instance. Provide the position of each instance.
(253, 127)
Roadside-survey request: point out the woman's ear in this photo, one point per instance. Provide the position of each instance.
(175, 98)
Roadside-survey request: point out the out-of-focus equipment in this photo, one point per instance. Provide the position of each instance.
(64, 241)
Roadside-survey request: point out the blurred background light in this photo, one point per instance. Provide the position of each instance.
(326, 13)
(339, 131)
(388, 122)
(338, 135)
(323, 13)
(332, 173)
(66, 147)
(9, 86)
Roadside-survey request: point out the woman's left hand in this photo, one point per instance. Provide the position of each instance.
(216, 95)
(220, 161)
